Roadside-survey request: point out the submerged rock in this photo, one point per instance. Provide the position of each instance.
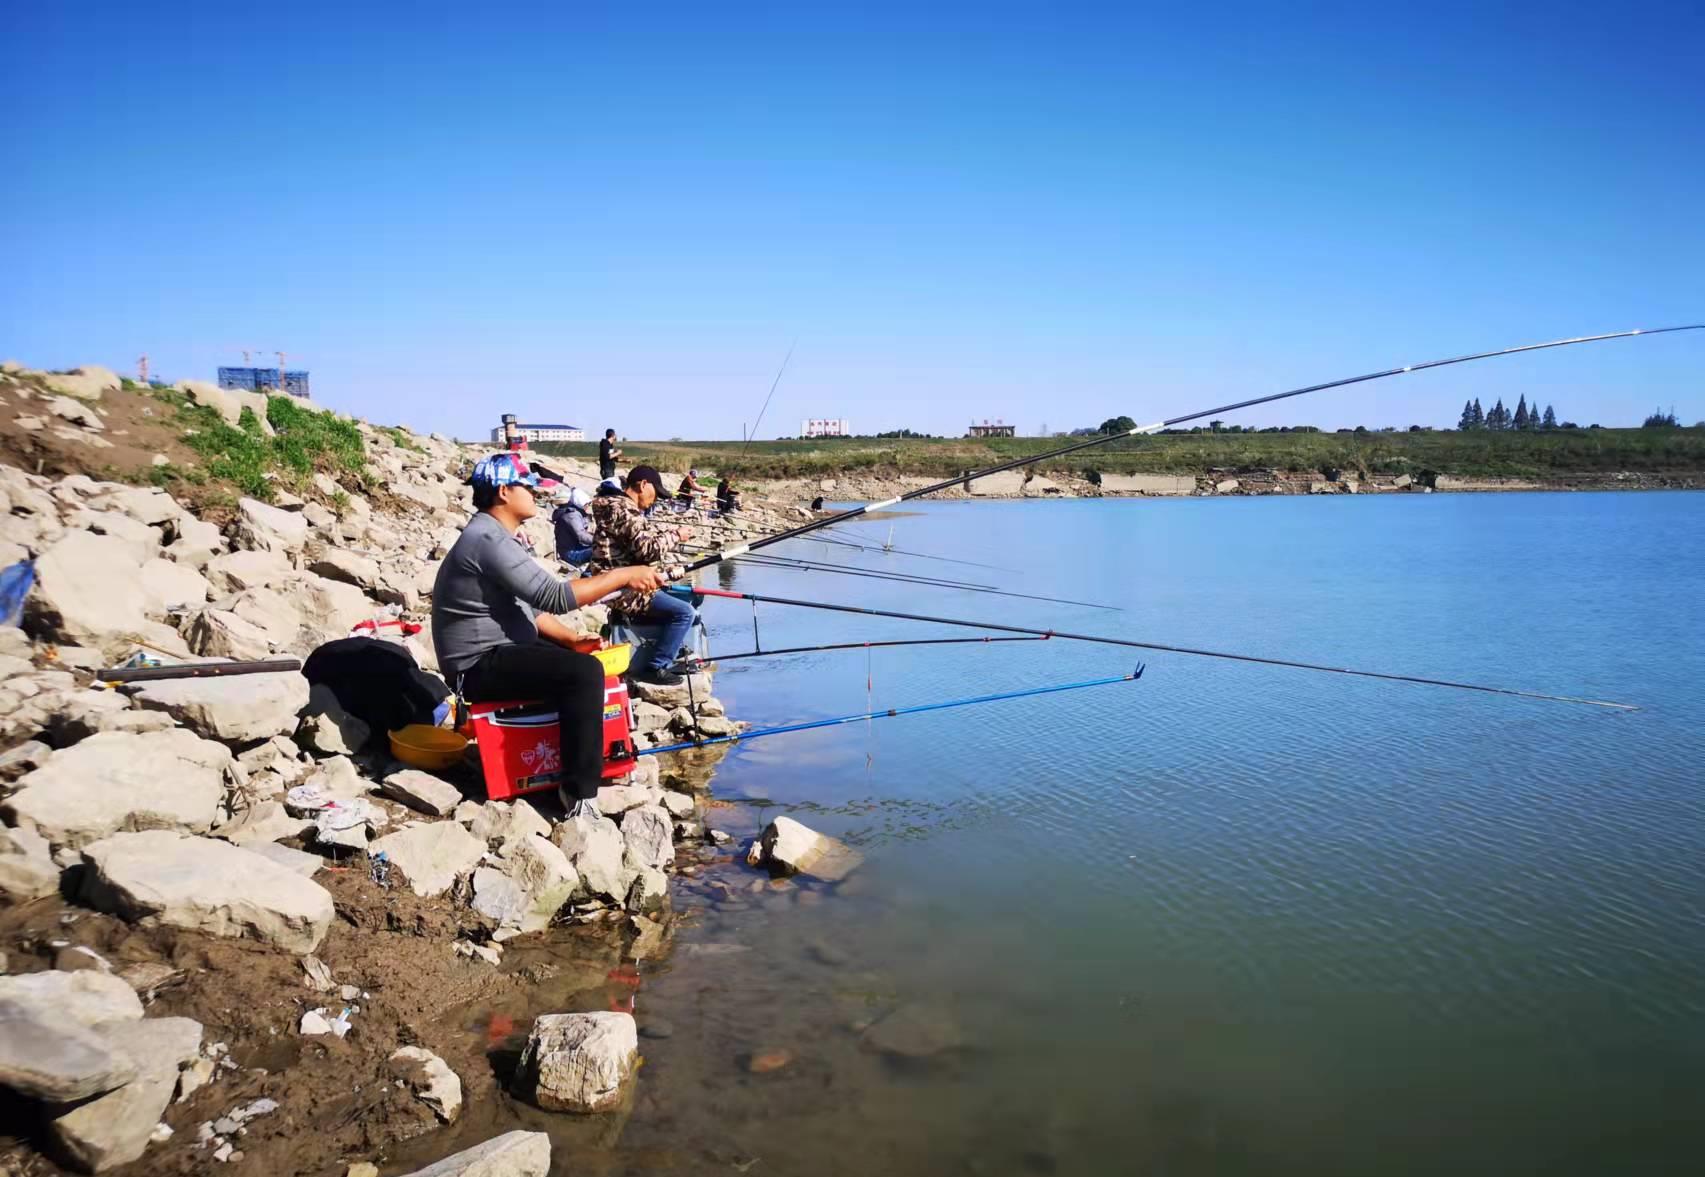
(578, 1062)
(514, 1154)
(788, 847)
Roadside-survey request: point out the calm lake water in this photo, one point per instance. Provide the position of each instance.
(1230, 919)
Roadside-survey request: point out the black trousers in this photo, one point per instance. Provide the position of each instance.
(572, 683)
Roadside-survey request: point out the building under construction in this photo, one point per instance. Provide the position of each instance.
(998, 429)
(264, 380)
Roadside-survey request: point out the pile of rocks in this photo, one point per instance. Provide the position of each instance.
(210, 805)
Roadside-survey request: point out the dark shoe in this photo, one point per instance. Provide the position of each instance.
(657, 678)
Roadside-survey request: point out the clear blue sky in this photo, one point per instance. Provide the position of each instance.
(619, 214)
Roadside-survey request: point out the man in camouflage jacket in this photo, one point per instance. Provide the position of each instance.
(625, 536)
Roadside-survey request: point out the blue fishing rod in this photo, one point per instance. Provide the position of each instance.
(890, 712)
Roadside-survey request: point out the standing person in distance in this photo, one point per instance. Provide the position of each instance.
(608, 452)
(495, 628)
(623, 536)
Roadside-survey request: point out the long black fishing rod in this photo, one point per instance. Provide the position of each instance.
(686, 593)
(907, 578)
(1156, 427)
(686, 665)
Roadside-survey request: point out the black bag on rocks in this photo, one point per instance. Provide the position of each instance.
(376, 681)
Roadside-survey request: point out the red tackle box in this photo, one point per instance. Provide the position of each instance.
(520, 742)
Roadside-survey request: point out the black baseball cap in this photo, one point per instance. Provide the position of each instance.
(649, 474)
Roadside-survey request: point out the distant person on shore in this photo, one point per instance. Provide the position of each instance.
(727, 498)
(817, 503)
(625, 536)
(495, 628)
(608, 452)
(691, 488)
(573, 525)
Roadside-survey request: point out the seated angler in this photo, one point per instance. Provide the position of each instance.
(495, 629)
(625, 536)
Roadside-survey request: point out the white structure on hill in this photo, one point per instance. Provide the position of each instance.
(541, 433)
(826, 427)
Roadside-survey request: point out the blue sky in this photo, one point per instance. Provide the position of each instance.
(622, 215)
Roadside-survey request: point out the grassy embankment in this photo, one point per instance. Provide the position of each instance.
(245, 459)
(1555, 453)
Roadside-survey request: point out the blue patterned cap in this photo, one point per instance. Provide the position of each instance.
(502, 470)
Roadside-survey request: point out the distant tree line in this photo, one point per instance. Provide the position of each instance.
(1500, 418)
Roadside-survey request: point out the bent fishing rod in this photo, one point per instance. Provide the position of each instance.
(1156, 427)
(685, 592)
(891, 712)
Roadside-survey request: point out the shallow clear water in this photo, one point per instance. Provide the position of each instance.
(1231, 919)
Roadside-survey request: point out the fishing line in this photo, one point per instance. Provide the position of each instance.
(1170, 649)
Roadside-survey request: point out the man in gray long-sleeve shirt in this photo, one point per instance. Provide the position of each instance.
(494, 624)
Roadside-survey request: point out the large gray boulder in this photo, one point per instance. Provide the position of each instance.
(234, 571)
(89, 589)
(265, 528)
(116, 781)
(534, 880)
(347, 567)
(89, 382)
(432, 856)
(594, 846)
(648, 835)
(238, 709)
(578, 1062)
(514, 1154)
(168, 585)
(116, 1128)
(49, 1056)
(220, 633)
(206, 886)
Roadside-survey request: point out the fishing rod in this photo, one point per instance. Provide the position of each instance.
(1156, 427)
(889, 713)
(908, 578)
(687, 665)
(685, 592)
(774, 384)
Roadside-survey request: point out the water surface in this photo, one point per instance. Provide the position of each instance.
(1231, 919)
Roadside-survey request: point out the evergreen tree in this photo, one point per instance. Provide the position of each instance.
(1499, 417)
(1550, 421)
(1521, 413)
(1467, 421)
(1479, 415)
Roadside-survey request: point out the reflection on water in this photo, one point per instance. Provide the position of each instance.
(1228, 920)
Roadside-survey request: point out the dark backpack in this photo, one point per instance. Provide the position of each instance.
(377, 682)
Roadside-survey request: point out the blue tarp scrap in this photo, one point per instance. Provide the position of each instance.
(15, 584)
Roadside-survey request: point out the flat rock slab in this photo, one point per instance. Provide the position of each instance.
(118, 781)
(84, 998)
(514, 1154)
(579, 1062)
(239, 709)
(45, 1055)
(422, 791)
(431, 856)
(914, 1031)
(207, 886)
(298, 861)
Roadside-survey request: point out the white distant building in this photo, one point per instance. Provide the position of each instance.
(825, 427)
(540, 433)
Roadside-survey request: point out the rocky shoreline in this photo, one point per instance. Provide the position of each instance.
(232, 925)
